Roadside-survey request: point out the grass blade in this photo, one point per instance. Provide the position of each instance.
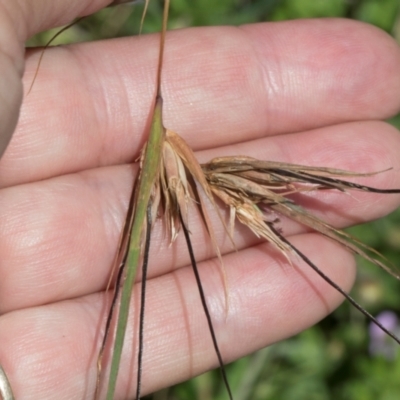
(143, 301)
(148, 175)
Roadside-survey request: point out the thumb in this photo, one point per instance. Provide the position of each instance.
(18, 21)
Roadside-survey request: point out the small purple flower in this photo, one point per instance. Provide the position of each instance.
(380, 343)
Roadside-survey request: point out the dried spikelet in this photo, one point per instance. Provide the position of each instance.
(276, 173)
(243, 183)
(175, 190)
(180, 178)
(191, 174)
(248, 213)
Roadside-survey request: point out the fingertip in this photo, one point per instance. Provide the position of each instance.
(328, 69)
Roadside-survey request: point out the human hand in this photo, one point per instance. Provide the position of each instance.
(306, 92)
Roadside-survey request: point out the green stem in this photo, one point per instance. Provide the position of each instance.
(147, 178)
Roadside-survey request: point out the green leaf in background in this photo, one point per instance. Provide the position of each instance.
(382, 13)
(293, 9)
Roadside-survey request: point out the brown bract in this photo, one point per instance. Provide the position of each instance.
(247, 186)
(256, 193)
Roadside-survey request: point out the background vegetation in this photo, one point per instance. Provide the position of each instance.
(331, 360)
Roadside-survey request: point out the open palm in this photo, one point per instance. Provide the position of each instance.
(307, 92)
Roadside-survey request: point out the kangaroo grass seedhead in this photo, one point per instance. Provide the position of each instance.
(171, 182)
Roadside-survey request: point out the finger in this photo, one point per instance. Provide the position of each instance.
(232, 86)
(58, 237)
(32, 16)
(269, 300)
(18, 21)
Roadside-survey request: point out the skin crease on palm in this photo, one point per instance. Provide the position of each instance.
(307, 92)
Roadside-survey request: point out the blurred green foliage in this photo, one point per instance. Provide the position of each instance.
(330, 360)
(125, 19)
